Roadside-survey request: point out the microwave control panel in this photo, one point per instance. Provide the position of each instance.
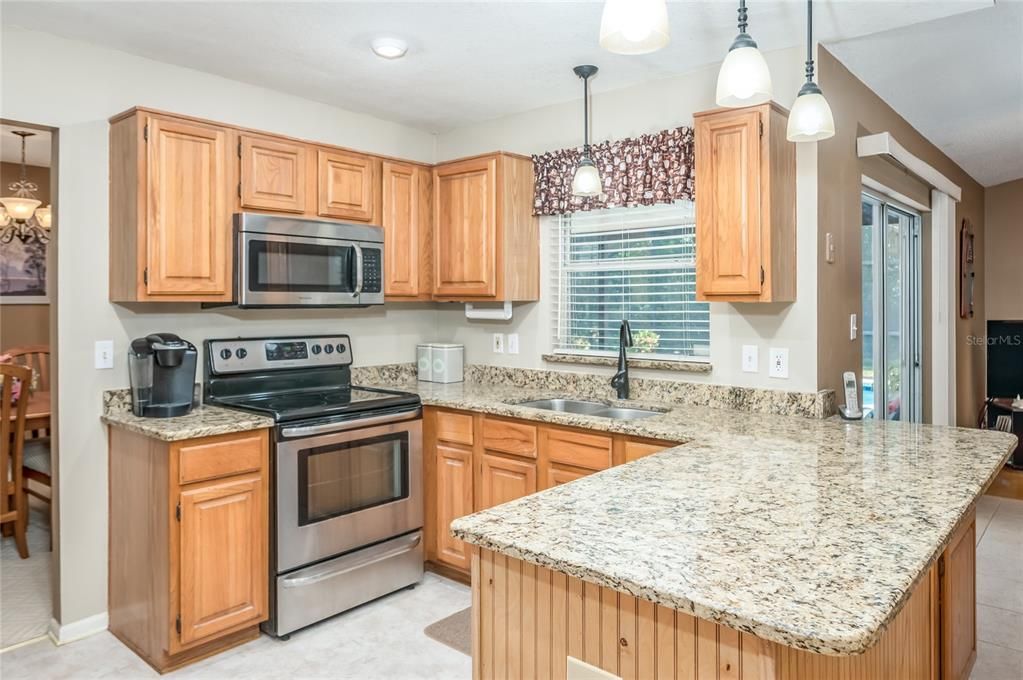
(372, 271)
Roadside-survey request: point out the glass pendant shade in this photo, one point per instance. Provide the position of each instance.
(634, 26)
(744, 79)
(44, 216)
(20, 208)
(586, 181)
(5, 219)
(810, 119)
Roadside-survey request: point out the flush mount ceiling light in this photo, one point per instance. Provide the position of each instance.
(810, 119)
(634, 26)
(389, 48)
(20, 214)
(744, 79)
(586, 181)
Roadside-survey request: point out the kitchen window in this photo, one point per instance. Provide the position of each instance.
(629, 263)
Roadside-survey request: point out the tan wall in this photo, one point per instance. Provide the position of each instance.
(859, 111)
(25, 324)
(1003, 251)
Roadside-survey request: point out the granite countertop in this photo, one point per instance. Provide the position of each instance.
(810, 533)
(201, 421)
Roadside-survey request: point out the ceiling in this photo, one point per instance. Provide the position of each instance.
(467, 62)
(37, 148)
(958, 81)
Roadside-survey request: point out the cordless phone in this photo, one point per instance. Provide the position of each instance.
(851, 410)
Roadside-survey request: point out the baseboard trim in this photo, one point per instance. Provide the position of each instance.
(61, 634)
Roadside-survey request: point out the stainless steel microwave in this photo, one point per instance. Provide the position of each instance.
(294, 262)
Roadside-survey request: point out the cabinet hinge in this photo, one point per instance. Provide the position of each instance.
(177, 625)
(145, 132)
(239, 148)
(239, 189)
(177, 512)
(145, 276)
(761, 276)
(761, 128)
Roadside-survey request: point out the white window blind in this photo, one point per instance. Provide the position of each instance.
(629, 263)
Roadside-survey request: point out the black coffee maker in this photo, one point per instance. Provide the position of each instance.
(162, 371)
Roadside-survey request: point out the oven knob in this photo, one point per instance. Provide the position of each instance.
(225, 353)
(329, 349)
(316, 349)
(341, 348)
(241, 353)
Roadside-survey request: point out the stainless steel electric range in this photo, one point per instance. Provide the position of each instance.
(347, 495)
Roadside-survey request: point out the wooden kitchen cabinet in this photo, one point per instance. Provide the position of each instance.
(454, 500)
(503, 479)
(407, 220)
(485, 239)
(347, 185)
(957, 575)
(273, 175)
(188, 548)
(745, 206)
(171, 189)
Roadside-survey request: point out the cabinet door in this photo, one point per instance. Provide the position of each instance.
(223, 557)
(465, 229)
(557, 475)
(728, 219)
(454, 500)
(637, 448)
(505, 479)
(345, 185)
(273, 174)
(188, 213)
(407, 257)
(958, 575)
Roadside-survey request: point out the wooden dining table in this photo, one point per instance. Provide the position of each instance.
(37, 414)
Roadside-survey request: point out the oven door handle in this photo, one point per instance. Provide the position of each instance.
(327, 428)
(346, 566)
(357, 290)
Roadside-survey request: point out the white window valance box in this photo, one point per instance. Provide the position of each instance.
(645, 170)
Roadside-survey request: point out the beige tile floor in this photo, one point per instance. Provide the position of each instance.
(999, 589)
(385, 640)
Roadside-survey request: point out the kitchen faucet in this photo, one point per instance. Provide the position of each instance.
(620, 381)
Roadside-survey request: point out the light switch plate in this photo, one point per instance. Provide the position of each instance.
(779, 358)
(513, 343)
(104, 354)
(853, 328)
(498, 343)
(750, 359)
(829, 248)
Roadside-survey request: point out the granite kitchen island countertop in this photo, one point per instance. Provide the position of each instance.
(810, 533)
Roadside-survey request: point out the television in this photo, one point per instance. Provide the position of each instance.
(1004, 358)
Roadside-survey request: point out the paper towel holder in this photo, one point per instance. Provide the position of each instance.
(504, 313)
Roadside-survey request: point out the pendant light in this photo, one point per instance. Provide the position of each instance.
(20, 214)
(634, 26)
(744, 79)
(586, 181)
(810, 119)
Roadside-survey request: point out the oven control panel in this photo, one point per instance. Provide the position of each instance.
(259, 354)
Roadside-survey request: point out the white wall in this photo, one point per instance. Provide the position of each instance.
(645, 108)
(76, 88)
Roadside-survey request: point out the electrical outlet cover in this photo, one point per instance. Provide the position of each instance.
(498, 343)
(779, 358)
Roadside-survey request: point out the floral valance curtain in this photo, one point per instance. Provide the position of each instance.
(645, 170)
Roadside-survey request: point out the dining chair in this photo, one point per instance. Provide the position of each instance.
(37, 449)
(36, 357)
(13, 501)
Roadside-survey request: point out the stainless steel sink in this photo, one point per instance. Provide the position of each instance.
(590, 408)
(566, 405)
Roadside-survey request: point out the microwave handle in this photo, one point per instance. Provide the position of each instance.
(358, 269)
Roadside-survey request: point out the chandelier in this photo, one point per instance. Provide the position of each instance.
(20, 214)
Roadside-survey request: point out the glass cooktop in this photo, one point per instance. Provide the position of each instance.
(301, 404)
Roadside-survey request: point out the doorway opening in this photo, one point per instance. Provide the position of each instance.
(29, 545)
(892, 310)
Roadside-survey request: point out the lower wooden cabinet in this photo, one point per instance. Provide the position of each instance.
(503, 479)
(476, 461)
(189, 534)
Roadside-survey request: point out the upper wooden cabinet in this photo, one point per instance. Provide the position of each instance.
(406, 218)
(171, 187)
(273, 174)
(486, 239)
(347, 185)
(745, 206)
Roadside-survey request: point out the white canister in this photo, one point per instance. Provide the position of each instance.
(448, 362)
(424, 362)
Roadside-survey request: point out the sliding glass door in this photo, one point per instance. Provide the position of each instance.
(892, 311)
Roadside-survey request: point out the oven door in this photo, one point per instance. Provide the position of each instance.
(342, 490)
(290, 270)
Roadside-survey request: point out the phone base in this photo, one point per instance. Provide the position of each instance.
(850, 415)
